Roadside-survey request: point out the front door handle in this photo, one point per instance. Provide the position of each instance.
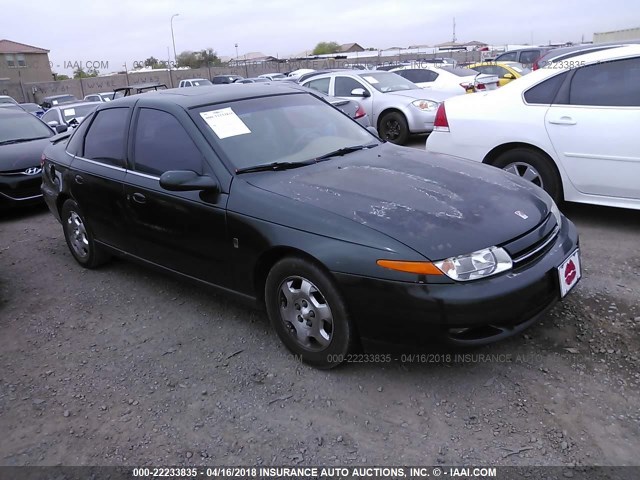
(563, 121)
(79, 180)
(139, 198)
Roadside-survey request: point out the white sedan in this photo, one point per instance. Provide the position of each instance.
(447, 80)
(571, 128)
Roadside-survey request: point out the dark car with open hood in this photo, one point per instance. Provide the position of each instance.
(23, 137)
(276, 197)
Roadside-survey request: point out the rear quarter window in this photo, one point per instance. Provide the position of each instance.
(545, 92)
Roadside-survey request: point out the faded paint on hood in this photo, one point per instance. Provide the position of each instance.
(438, 205)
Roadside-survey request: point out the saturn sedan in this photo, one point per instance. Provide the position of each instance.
(276, 197)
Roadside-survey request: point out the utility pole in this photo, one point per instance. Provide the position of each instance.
(454, 30)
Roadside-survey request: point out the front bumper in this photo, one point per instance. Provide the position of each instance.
(419, 121)
(464, 313)
(19, 190)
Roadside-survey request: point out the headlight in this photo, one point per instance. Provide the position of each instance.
(555, 211)
(425, 105)
(480, 264)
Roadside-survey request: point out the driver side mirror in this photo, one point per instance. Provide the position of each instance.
(360, 92)
(60, 128)
(53, 123)
(186, 180)
(509, 76)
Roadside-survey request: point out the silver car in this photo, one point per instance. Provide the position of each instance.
(396, 106)
(69, 114)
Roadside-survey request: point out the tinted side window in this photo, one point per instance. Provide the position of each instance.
(162, 144)
(529, 56)
(612, 84)
(74, 147)
(321, 84)
(545, 92)
(106, 138)
(418, 75)
(507, 57)
(344, 86)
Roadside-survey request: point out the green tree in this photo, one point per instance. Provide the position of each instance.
(152, 62)
(323, 48)
(80, 73)
(61, 76)
(202, 58)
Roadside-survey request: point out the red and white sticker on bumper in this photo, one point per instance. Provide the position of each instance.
(569, 273)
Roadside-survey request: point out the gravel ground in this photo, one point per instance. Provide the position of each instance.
(126, 366)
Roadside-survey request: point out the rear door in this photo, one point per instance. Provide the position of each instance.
(182, 231)
(593, 126)
(99, 167)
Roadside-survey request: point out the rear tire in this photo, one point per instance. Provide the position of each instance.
(308, 313)
(79, 237)
(534, 167)
(393, 127)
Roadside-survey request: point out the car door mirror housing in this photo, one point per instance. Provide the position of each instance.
(60, 128)
(53, 123)
(186, 180)
(360, 92)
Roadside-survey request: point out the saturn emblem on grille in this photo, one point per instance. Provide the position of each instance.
(521, 214)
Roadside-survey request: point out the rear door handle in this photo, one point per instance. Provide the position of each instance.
(563, 121)
(139, 198)
(79, 180)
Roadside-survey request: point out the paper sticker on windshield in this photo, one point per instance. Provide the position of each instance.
(370, 79)
(225, 123)
(69, 112)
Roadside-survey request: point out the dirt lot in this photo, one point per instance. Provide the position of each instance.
(125, 366)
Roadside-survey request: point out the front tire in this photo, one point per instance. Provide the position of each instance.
(394, 128)
(79, 237)
(308, 313)
(534, 167)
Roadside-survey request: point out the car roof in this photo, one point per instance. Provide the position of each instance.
(51, 97)
(208, 94)
(609, 54)
(198, 79)
(7, 112)
(65, 106)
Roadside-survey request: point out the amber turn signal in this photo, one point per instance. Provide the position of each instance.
(420, 268)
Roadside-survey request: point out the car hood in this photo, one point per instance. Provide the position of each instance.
(22, 155)
(420, 94)
(438, 205)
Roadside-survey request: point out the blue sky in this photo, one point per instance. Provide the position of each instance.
(115, 31)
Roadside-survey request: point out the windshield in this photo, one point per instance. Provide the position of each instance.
(284, 128)
(387, 81)
(200, 83)
(65, 99)
(31, 107)
(22, 126)
(459, 71)
(79, 111)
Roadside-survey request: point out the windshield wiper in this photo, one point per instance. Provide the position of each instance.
(345, 150)
(20, 140)
(273, 167)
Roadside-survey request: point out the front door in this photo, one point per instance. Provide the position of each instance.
(183, 231)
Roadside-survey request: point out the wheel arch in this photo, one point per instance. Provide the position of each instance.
(269, 258)
(389, 110)
(505, 147)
